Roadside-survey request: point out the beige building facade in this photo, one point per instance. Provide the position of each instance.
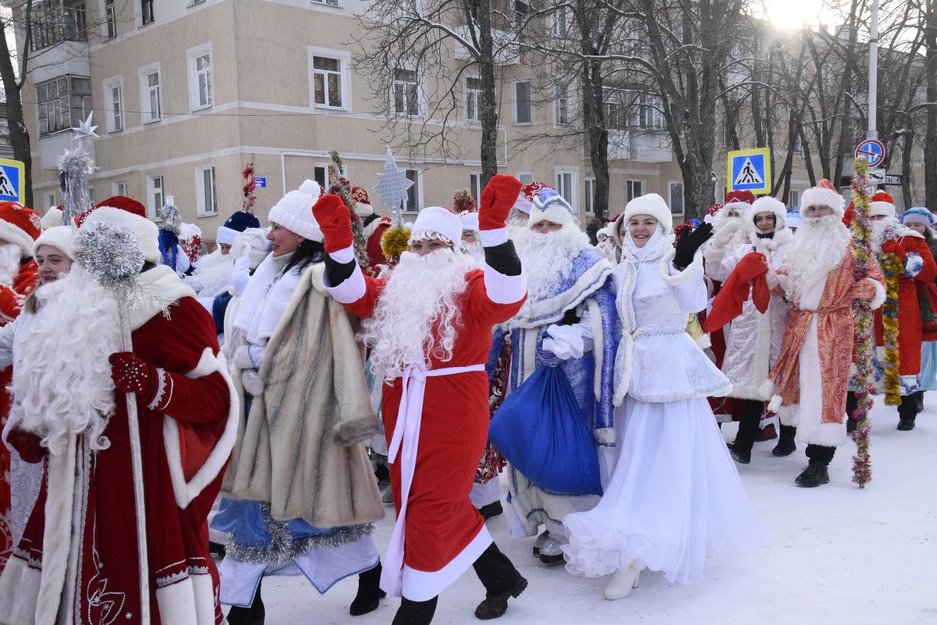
(185, 93)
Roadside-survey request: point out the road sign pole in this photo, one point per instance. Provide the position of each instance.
(873, 72)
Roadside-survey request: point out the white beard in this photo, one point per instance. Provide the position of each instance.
(547, 259)
(212, 275)
(10, 257)
(475, 251)
(818, 248)
(417, 315)
(63, 380)
(896, 228)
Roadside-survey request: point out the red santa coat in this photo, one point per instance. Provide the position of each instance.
(183, 459)
(445, 533)
(11, 303)
(910, 330)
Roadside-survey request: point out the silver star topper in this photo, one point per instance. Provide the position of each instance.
(392, 186)
(84, 131)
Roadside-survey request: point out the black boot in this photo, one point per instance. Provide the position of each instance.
(786, 445)
(415, 612)
(815, 474)
(919, 401)
(491, 510)
(501, 580)
(253, 615)
(741, 448)
(369, 592)
(907, 411)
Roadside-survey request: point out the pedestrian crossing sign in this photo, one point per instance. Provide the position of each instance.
(749, 170)
(11, 180)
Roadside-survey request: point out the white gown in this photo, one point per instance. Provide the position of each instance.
(674, 502)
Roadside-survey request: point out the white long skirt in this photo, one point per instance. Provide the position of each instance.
(674, 503)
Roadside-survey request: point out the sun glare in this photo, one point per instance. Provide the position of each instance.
(792, 14)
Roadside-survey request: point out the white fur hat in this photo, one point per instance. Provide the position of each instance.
(653, 205)
(127, 212)
(469, 220)
(439, 220)
(882, 203)
(294, 211)
(824, 194)
(52, 218)
(57, 237)
(766, 203)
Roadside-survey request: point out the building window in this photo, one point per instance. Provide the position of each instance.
(473, 92)
(616, 109)
(676, 198)
(413, 193)
(522, 102)
(150, 97)
(55, 21)
(114, 102)
(521, 16)
(649, 113)
(320, 175)
(207, 193)
(590, 196)
(525, 177)
(146, 7)
(327, 81)
(63, 103)
(50, 200)
(201, 87)
(475, 185)
(154, 195)
(564, 186)
(561, 21)
(562, 105)
(119, 188)
(406, 92)
(635, 189)
(330, 3)
(795, 198)
(110, 20)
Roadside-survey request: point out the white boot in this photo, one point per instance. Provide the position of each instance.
(619, 587)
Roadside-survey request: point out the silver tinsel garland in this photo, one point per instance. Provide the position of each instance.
(169, 215)
(111, 254)
(282, 548)
(74, 167)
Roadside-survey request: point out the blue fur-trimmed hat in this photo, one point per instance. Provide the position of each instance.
(793, 217)
(918, 215)
(236, 224)
(551, 206)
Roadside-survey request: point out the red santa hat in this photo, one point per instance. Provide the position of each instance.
(653, 205)
(824, 194)
(127, 212)
(882, 204)
(19, 225)
(52, 218)
(711, 213)
(529, 192)
(772, 205)
(739, 200)
(362, 200)
(438, 220)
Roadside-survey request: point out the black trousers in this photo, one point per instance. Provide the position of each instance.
(748, 424)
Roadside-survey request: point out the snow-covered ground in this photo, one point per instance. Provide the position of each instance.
(840, 555)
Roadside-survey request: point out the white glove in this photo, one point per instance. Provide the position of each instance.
(564, 342)
(252, 382)
(249, 356)
(725, 233)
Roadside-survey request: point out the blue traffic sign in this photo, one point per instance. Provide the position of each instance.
(871, 150)
(11, 177)
(749, 170)
(260, 182)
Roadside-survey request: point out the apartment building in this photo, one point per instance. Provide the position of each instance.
(186, 92)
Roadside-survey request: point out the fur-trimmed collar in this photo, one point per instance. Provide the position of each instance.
(155, 291)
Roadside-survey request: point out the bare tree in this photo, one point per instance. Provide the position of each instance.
(12, 73)
(419, 58)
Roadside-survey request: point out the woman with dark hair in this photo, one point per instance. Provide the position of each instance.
(304, 498)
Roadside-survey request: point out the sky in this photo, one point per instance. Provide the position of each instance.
(841, 555)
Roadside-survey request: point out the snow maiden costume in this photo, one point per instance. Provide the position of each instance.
(78, 562)
(574, 304)
(674, 502)
(304, 498)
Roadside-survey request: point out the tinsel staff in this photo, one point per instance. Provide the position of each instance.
(113, 257)
(74, 168)
(249, 186)
(392, 186)
(861, 228)
(340, 185)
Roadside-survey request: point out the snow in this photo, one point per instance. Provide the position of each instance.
(840, 555)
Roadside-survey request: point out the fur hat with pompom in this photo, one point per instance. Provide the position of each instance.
(294, 211)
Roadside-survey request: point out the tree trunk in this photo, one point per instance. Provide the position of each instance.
(488, 106)
(19, 135)
(930, 138)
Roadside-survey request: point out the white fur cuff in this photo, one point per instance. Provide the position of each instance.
(351, 290)
(502, 289)
(343, 256)
(491, 238)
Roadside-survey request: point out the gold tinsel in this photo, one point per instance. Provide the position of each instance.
(395, 241)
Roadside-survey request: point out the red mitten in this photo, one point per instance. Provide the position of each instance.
(497, 200)
(893, 247)
(132, 375)
(335, 222)
(727, 306)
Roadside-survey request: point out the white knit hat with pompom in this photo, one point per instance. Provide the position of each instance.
(294, 211)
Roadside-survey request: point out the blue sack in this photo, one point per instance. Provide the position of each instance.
(540, 431)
